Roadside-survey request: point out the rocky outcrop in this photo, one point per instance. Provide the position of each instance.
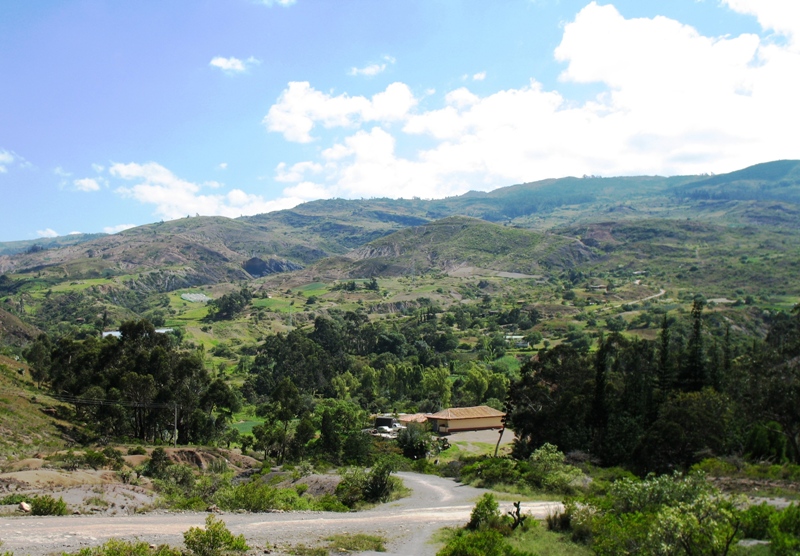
(256, 267)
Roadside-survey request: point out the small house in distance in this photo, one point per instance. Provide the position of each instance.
(465, 419)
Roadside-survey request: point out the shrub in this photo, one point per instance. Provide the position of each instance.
(548, 470)
(491, 471)
(136, 451)
(14, 499)
(215, 540)
(116, 547)
(358, 542)
(158, 463)
(485, 514)
(114, 457)
(709, 524)
(756, 521)
(379, 485)
(784, 531)
(350, 491)
(479, 543)
(95, 460)
(47, 505)
(376, 486)
(415, 441)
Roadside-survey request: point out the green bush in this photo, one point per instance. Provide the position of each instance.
(549, 471)
(485, 514)
(116, 547)
(95, 460)
(15, 499)
(479, 543)
(350, 491)
(376, 486)
(113, 457)
(137, 451)
(784, 531)
(491, 471)
(756, 521)
(158, 463)
(215, 540)
(47, 505)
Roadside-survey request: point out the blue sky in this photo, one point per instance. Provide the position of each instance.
(114, 114)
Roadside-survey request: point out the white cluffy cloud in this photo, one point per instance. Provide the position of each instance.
(300, 107)
(6, 158)
(87, 184)
(674, 101)
(47, 232)
(780, 16)
(174, 197)
(371, 70)
(233, 65)
(118, 228)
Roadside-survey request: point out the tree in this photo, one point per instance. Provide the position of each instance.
(550, 401)
(436, 382)
(693, 376)
(415, 441)
(38, 356)
(284, 405)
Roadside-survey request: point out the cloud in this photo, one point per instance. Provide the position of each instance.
(233, 65)
(780, 16)
(300, 107)
(174, 197)
(296, 172)
(118, 228)
(222, 166)
(98, 168)
(47, 232)
(480, 76)
(371, 70)
(86, 184)
(672, 101)
(6, 158)
(10, 159)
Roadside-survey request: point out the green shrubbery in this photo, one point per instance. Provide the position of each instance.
(215, 540)
(47, 505)
(15, 499)
(485, 534)
(716, 467)
(116, 547)
(183, 489)
(358, 486)
(686, 514)
(545, 470)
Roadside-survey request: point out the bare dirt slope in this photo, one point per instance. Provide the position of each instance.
(408, 524)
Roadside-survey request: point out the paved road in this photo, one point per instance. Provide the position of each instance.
(408, 523)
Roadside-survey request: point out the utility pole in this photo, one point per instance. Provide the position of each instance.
(175, 427)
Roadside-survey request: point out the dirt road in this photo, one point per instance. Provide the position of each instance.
(407, 524)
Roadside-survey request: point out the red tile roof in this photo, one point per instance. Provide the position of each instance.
(478, 412)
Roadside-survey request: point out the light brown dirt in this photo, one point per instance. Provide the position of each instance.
(407, 524)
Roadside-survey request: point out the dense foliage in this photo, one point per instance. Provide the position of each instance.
(140, 385)
(664, 404)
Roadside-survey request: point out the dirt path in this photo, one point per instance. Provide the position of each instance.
(649, 297)
(408, 523)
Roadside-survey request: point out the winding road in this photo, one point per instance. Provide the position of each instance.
(408, 524)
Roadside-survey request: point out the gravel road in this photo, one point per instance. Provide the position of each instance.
(407, 524)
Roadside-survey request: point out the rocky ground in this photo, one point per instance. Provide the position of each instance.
(407, 524)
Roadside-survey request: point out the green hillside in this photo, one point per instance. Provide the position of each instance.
(458, 241)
